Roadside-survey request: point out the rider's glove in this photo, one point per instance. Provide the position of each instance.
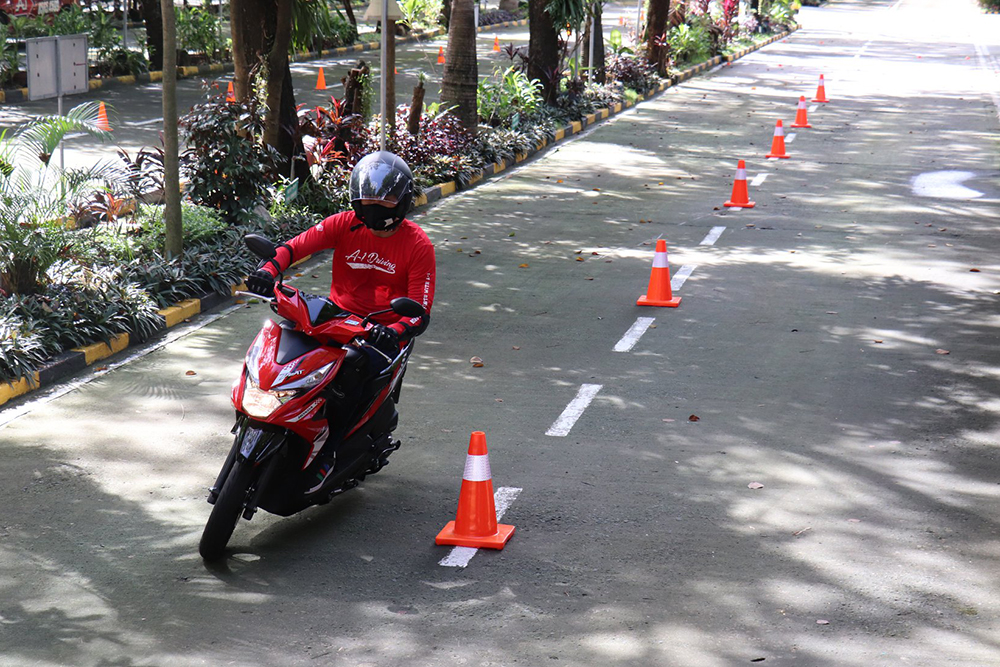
(261, 282)
(385, 339)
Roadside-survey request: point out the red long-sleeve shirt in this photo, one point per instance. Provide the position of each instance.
(369, 271)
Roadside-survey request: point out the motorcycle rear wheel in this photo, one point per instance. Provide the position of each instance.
(226, 511)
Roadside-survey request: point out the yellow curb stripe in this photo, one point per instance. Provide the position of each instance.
(420, 200)
(475, 179)
(181, 311)
(17, 388)
(499, 166)
(560, 134)
(447, 188)
(156, 76)
(576, 125)
(97, 351)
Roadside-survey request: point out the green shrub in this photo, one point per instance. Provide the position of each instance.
(198, 31)
(507, 96)
(227, 164)
(689, 43)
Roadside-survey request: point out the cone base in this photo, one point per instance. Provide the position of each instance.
(824, 101)
(732, 204)
(495, 541)
(797, 125)
(670, 303)
(772, 156)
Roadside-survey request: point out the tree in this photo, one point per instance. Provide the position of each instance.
(152, 18)
(262, 31)
(461, 69)
(657, 49)
(543, 49)
(171, 175)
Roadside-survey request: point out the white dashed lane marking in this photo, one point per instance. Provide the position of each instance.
(562, 426)
(758, 179)
(503, 498)
(634, 333)
(681, 276)
(712, 236)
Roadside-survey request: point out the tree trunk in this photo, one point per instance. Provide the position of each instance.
(416, 109)
(390, 74)
(350, 12)
(152, 18)
(261, 35)
(353, 90)
(171, 170)
(446, 14)
(461, 69)
(656, 34)
(543, 47)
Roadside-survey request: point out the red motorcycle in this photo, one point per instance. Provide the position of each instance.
(311, 419)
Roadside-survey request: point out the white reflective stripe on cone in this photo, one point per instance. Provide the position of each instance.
(477, 468)
(779, 131)
(802, 104)
(741, 174)
(660, 261)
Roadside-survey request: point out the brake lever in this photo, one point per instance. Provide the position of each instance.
(265, 299)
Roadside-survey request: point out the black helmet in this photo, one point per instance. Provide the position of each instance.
(384, 177)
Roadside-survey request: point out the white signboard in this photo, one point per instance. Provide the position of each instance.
(57, 66)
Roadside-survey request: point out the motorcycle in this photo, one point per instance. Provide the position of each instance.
(311, 422)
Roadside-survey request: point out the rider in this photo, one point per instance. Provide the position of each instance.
(378, 255)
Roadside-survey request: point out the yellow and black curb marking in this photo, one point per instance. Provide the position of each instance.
(216, 69)
(78, 359)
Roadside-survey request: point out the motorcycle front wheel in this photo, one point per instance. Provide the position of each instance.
(226, 511)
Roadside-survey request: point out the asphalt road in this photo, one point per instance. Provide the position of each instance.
(837, 344)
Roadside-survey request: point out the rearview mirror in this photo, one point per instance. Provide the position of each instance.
(260, 246)
(406, 307)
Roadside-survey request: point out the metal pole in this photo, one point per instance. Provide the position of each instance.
(385, 73)
(475, 9)
(125, 26)
(638, 21)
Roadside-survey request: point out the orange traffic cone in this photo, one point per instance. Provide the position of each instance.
(821, 91)
(778, 143)
(476, 523)
(801, 116)
(230, 93)
(321, 80)
(740, 197)
(659, 291)
(440, 55)
(102, 118)
(621, 20)
(496, 43)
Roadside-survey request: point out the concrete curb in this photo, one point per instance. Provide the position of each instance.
(80, 358)
(215, 69)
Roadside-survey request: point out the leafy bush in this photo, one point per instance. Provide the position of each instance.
(318, 24)
(689, 43)
(507, 96)
(198, 32)
(632, 72)
(494, 16)
(121, 61)
(227, 164)
(993, 5)
(421, 13)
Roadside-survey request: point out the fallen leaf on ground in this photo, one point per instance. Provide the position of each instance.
(755, 485)
(190, 373)
(589, 278)
(579, 259)
(596, 253)
(498, 400)
(694, 418)
(799, 532)
(522, 266)
(476, 362)
(877, 341)
(940, 351)
(511, 234)
(822, 622)
(854, 521)
(299, 275)
(973, 270)
(101, 368)
(516, 347)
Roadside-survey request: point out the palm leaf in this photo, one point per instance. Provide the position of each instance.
(41, 137)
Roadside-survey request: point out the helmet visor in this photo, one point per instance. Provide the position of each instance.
(378, 180)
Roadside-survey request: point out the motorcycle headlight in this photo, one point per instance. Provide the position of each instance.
(253, 358)
(261, 404)
(311, 380)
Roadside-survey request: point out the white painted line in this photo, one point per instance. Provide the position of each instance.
(503, 498)
(813, 107)
(681, 276)
(562, 426)
(758, 179)
(790, 138)
(140, 123)
(861, 52)
(634, 333)
(713, 236)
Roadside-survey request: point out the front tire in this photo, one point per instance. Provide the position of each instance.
(226, 511)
